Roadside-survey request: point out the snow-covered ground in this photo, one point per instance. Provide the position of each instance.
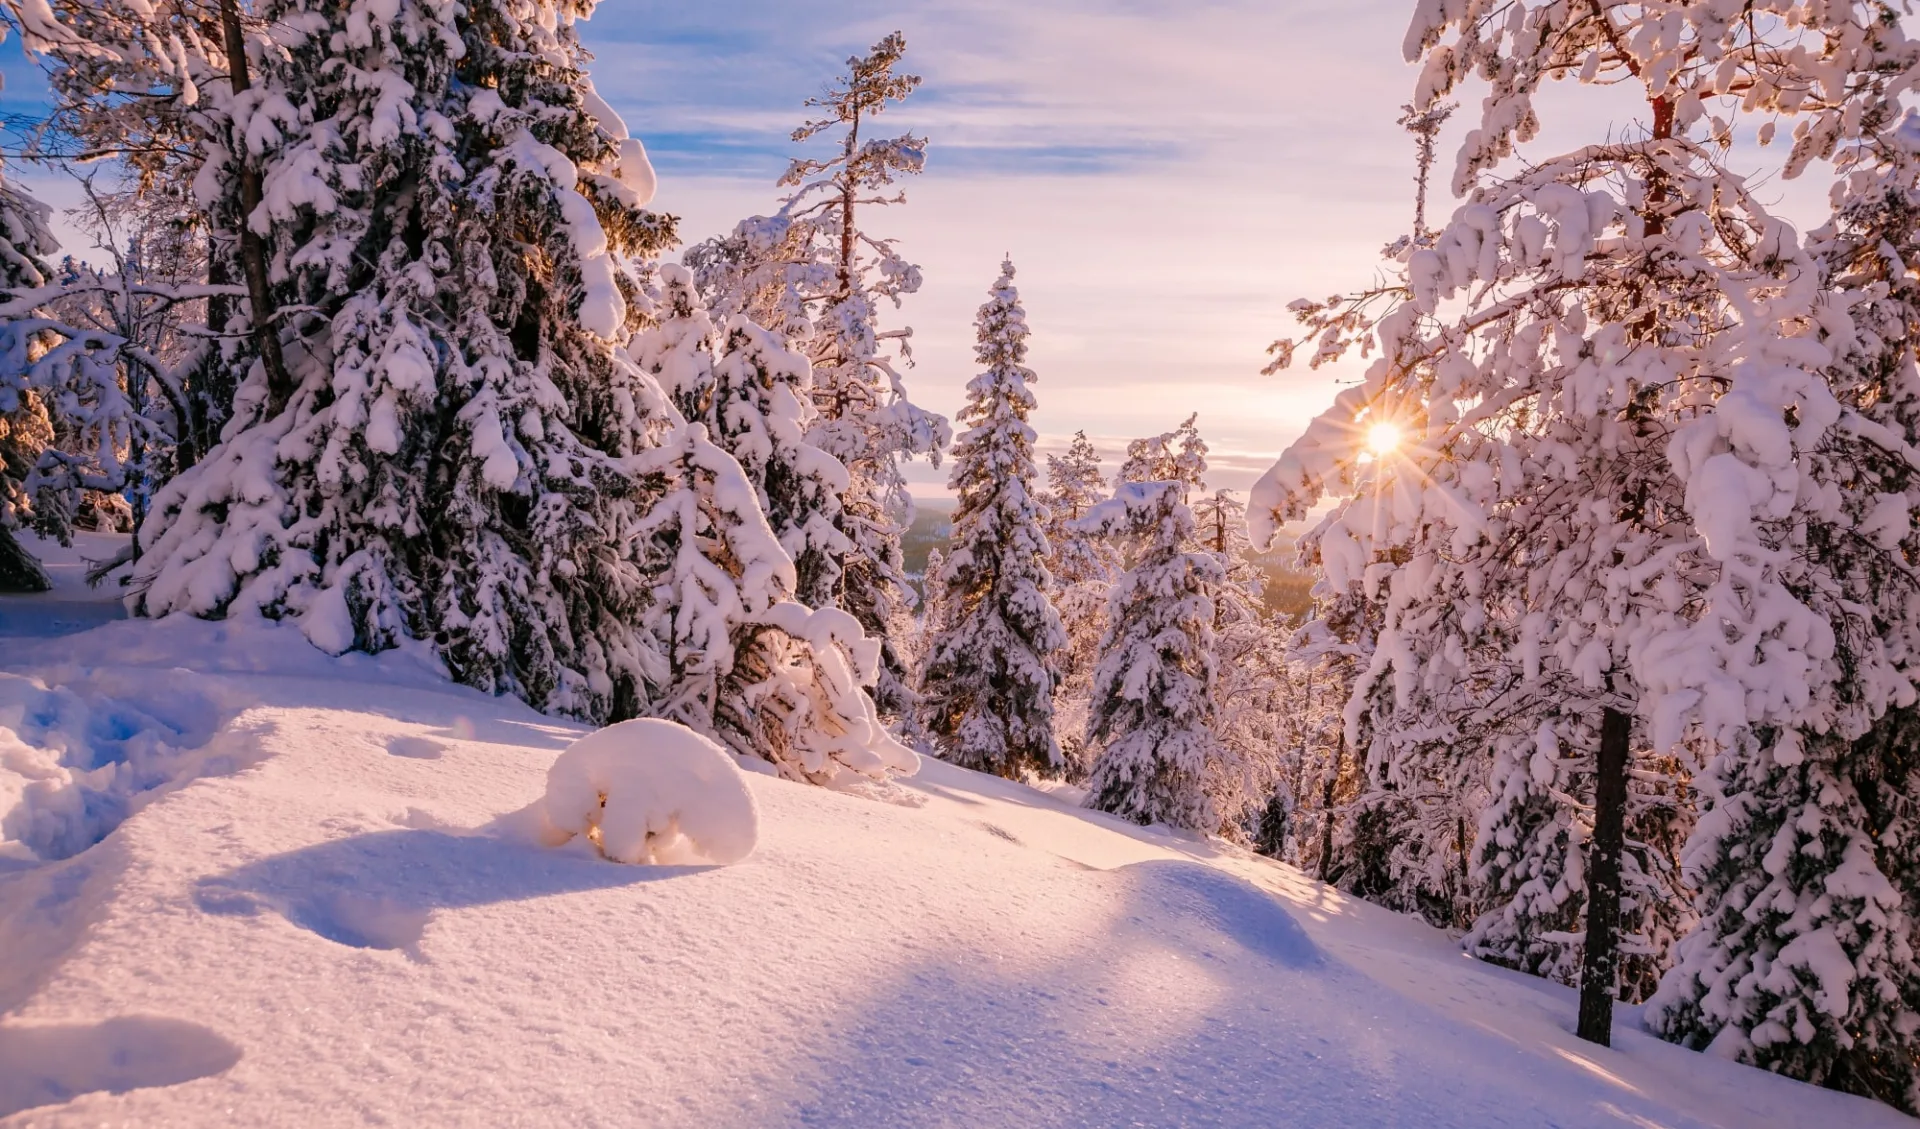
(242, 883)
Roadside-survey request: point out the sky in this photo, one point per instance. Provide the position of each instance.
(1165, 174)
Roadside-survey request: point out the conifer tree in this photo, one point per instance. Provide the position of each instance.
(763, 675)
(761, 410)
(25, 429)
(1179, 455)
(1083, 568)
(1804, 959)
(1152, 724)
(447, 460)
(816, 275)
(1249, 650)
(991, 666)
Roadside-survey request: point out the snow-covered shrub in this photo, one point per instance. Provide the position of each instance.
(797, 698)
(652, 792)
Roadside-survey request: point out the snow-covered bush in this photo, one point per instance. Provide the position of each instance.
(651, 792)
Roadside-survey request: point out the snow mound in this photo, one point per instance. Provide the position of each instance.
(651, 791)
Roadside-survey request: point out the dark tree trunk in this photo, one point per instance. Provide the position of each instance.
(253, 249)
(1326, 808)
(1599, 970)
(1463, 913)
(19, 571)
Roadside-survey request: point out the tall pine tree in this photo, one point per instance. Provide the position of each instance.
(992, 665)
(816, 275)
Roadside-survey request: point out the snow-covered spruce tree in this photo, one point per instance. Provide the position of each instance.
(767, 677)
(1179, 455)
(992, 666)
(25, 429)
(1083, 569)
(816, 275)
(741, 494)
(1158, 755)
(448, 460)
(760, 411)
(1804, 960)
(677, 350)
(1588, 417)
(1074, 486)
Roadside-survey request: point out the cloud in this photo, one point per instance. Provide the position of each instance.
(1165, 175)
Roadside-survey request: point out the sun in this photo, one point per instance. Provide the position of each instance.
(1383, 439)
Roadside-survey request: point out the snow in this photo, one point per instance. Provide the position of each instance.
(71, 606)
(650, 791)
(336, 925)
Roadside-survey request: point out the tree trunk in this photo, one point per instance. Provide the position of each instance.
(19, 571)
(1462, 914)
(1599, 970)
(253, 249)
(1326, 807)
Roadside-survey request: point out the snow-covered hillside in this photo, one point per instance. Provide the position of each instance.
(295, 913)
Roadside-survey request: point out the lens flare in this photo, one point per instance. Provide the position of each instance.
(1384, 439)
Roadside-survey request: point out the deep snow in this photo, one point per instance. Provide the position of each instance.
(305, 914)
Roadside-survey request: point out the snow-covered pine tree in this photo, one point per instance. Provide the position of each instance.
(1559, 506)
(1074, 486)
(1158, 755)
(1249, 655)
(25, 429)
(449, 459)
(814, 273)
(992, 666)
(741, 496)
(1083, 569)
(1179, 455)
(1804, 959)
(677, 350)
(760, 412)
(766, 677)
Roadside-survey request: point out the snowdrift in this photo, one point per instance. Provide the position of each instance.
(649, 791)
(323, 922)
